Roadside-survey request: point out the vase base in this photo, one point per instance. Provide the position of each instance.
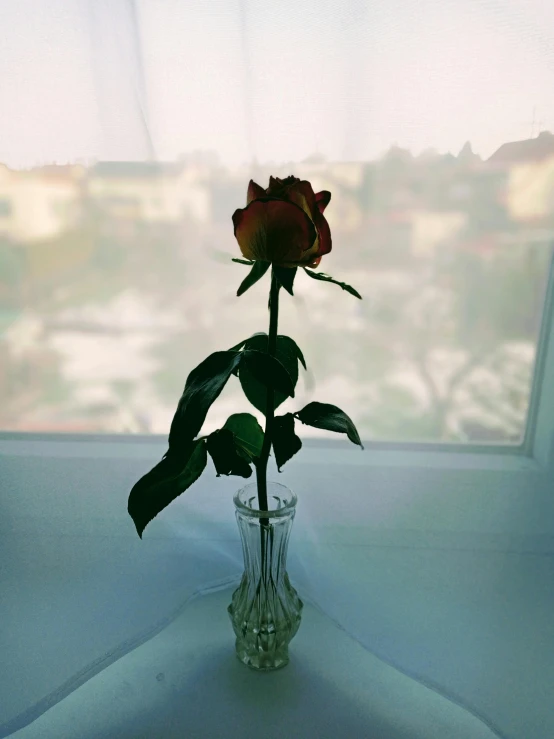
(262, 663)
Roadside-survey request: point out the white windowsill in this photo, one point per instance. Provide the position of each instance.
(314, 452)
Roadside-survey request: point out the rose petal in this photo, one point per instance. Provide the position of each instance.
(324, 235)
(302, 194)
(274, 230)
(254, 191)
(314, 263)
(275, 185)
(322, 199)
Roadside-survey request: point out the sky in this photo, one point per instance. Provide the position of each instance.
(273, 81)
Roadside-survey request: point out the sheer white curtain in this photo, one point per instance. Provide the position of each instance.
(277, 83)
(252, 87)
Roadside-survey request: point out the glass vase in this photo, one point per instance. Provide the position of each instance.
(265, 609)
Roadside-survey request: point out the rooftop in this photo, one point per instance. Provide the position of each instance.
(136, 169)
(528, 150)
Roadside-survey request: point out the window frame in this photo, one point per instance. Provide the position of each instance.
(538, 442)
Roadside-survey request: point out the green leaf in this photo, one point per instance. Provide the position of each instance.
(239, 346)
(248, 433)
(328, 278)
(255, 372)
(285, 442)
(258, 270)
(268, 370)
(249, 262)
(227, 459)
(329, 417)
(287, 352)
(203, 386)
(167, 480)
(285, 277)
(297, 350)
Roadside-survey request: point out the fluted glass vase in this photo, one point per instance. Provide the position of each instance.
(265, 609)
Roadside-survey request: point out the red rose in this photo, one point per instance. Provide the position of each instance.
(284, 224)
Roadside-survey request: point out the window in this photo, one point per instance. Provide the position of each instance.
(442, 348)
(445, 226)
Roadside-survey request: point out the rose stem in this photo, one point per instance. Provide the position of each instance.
(261, 467)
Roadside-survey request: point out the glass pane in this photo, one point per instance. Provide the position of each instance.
(115, 246)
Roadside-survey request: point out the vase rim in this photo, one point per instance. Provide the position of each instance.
(289, 506)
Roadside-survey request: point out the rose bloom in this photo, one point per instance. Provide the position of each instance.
(284, 224)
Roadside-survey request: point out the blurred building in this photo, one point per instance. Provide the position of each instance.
(433, 229)
(40, 203)
(529, 168)
(152, 192)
